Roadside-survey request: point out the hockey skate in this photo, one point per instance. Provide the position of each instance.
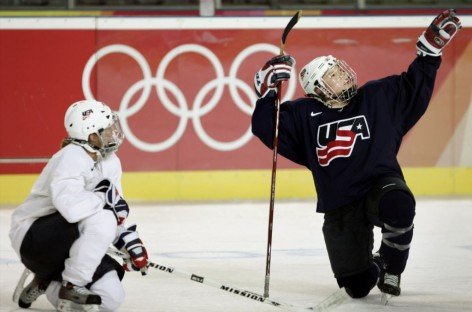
(73, 298)
(20, 285)
(30, 293)
(389, 284)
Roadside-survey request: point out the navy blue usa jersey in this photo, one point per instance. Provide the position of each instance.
(348, 149)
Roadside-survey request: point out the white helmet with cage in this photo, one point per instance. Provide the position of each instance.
(85, 117)
(329, 80)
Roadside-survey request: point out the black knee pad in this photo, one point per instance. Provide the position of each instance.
(397, 208)
(359, 285)
(389, 200)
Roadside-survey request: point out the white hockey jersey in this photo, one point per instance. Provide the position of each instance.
(65, 185)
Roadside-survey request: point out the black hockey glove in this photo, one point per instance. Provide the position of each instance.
(275, 71)
(113, 200)
(443, 28)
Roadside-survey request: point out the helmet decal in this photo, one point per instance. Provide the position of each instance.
(86, 114)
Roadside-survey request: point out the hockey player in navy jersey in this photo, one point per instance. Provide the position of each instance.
(75, 211)
(349, 137)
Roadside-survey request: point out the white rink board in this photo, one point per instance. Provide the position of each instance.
(261, 22)
(226, 242)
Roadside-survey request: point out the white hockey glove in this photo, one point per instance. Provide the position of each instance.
(443, 28)
(113, 200)
(130, 243)
(275, 71)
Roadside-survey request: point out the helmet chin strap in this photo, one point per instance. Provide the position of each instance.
(88, 147)
(333, 103)
(93, 149)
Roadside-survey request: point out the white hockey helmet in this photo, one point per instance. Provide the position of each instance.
(312, 79)
(85, 117)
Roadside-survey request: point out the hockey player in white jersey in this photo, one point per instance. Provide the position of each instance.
(73, 213)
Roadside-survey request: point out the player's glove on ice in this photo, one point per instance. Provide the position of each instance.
(276, 70)
(113, 200)
(443, 28)
(130, 243)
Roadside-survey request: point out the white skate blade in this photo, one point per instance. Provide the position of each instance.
(20, 286)
(385, 298)
(334, 300)
(69, 306)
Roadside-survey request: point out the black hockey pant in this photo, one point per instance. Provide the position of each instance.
(348, 233)
(46, 246)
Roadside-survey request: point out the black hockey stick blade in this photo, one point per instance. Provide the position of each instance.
(291, 23)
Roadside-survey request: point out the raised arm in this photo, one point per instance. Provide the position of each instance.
(409, 93)
(275, 71)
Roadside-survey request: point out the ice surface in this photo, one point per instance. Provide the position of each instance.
(226, 242)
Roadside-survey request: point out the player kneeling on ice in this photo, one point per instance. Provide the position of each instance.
(349, 138)
(74, 212)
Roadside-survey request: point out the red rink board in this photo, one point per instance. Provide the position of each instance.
(42, 75)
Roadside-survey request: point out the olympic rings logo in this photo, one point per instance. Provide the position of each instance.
(181, 109)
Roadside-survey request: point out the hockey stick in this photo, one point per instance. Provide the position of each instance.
(334, 299)
(287, 29)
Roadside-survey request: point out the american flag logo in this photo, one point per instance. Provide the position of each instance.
(86, 114)
(337, 139)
